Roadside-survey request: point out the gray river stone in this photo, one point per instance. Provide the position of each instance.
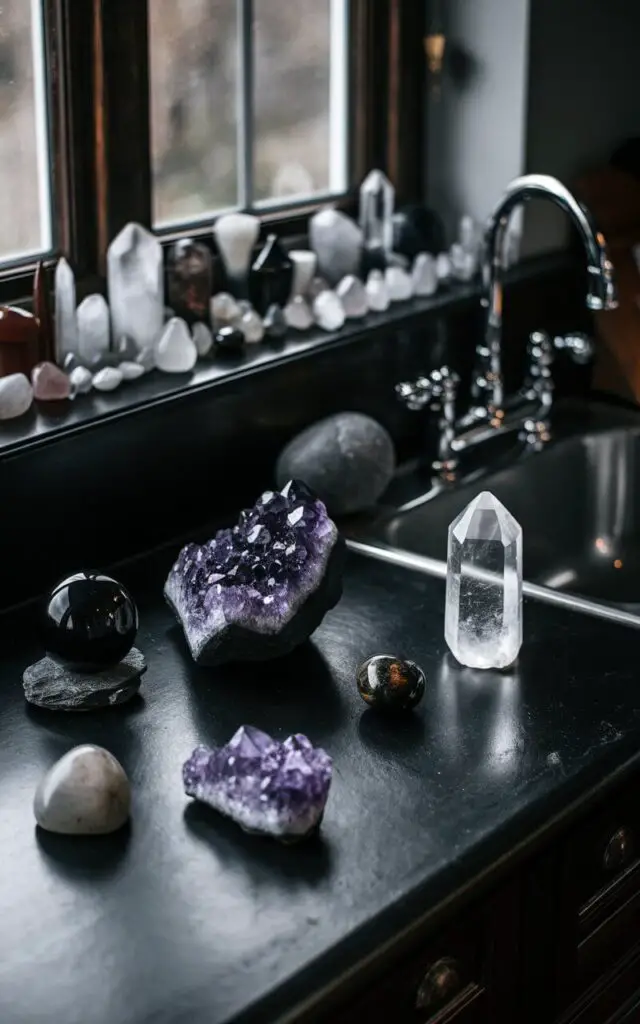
(348, 460)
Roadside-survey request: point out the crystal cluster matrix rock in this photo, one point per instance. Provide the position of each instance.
(483, 615)
(279, 789)
(260, 589)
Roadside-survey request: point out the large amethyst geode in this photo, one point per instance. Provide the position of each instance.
(260, 589)
(279, 789)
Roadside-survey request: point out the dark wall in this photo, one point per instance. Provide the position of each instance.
(583, 94)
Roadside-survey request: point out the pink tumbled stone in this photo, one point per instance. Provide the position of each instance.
(50, 384)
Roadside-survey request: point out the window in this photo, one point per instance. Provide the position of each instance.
(167, 112)
(25, 207)
(248, 104)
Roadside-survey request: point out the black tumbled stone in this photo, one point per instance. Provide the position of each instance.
(417, 229)
(391, 684)
(229, 340)
(90, 622)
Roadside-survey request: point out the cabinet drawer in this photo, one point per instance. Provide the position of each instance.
(460, 976)
(601, 892)
(615, 998)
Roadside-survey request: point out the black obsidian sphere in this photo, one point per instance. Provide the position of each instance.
(417, 229)
(391, 684)
(90, 622)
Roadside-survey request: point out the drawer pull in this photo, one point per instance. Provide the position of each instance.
(440, 984)
(619, 851)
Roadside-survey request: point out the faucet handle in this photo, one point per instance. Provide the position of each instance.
(580, 346)
(414, 394)
(440, 385)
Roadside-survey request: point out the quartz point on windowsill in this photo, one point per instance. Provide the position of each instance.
(135, 273)
(377, 201)
(483, 614)
(65, 310)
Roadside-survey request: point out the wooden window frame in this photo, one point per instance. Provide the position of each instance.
(98, 75)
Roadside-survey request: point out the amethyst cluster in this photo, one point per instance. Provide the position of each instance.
(279, 789)
(260, 589)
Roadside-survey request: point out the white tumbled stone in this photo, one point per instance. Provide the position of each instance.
(399, 284)
(86, 792)
(353, 296)
(377, 291)
(175, 350)
(202, 338)
(298, 314)
(464, 265)
(443, 267)
(424, 274)
(224, 309)
(251, 326)
(328, 311)
(81, 380)
(107, 379)
(130, 371)
(16, 396)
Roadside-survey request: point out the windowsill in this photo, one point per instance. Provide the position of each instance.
(46, 424)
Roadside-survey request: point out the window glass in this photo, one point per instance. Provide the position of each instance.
(25, 200)
(194, 88)
(299, 98)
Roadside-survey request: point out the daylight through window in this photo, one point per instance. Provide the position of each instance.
(25, 200)
(248, 103)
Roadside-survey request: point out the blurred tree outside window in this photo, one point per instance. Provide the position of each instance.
(296, 131)
(25, 200)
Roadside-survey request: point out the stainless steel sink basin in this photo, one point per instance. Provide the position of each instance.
(578, 502)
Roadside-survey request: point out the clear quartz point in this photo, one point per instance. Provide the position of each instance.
(377, 201)
(483, 614)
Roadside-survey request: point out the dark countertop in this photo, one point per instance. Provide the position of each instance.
(184, 919)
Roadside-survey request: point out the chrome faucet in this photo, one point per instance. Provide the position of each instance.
(529, 411)
(488, 386)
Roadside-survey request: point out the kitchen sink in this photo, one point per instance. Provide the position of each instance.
(578, 502)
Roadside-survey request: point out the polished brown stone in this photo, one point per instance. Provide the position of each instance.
(42, 311)
(19, 341)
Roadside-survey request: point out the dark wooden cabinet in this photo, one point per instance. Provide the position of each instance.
(558, 942)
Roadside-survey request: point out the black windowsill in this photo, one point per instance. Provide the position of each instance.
(47, 423)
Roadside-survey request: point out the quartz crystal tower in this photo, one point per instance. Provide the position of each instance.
(377, 200)
(65, 292)
(135, 274)
(483, 615)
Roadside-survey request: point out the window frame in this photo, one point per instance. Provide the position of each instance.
(98, 79)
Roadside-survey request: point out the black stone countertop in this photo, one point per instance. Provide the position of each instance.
(184, 919)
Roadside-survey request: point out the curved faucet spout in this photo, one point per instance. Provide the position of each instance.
(601, 294)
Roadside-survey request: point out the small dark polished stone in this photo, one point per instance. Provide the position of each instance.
(390, 683)
(417, 229)
(275, 323)
(271, 276)
(190, 279)
(229, 340)
(90, 622)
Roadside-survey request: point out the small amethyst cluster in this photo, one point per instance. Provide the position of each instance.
(279, 789)
(261, 588)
